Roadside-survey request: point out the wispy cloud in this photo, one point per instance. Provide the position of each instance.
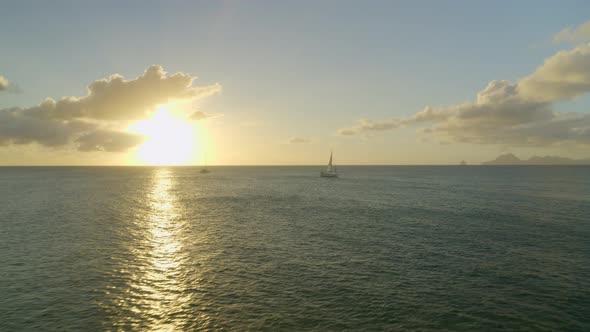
(200, 115)
(370, 125)
(571, 34)
(299, 140)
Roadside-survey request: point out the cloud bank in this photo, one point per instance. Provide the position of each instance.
(90, 122)
(519, 113)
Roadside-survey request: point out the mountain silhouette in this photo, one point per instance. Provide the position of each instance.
(511, 159)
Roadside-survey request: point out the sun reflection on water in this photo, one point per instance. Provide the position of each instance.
(156, 295)
(160, 283)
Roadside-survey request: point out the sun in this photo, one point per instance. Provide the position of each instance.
(169, 140)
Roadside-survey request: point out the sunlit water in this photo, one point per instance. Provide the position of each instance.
(278, 248)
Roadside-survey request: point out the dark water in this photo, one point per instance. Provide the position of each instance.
(278, 248)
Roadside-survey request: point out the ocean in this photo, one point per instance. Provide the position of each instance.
(382, 248)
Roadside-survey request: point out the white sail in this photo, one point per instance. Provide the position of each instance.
(330, 171)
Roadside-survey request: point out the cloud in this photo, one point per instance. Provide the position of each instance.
(569, 34)
(512, 119)
(370, 125)
(562, 76)
(91, 122)
(9, 86)
(18, 128)
(200, 115)
(298, 140)
(108, 140)
(3, 83)
(115, 98)
(509, 113)
(347, 131)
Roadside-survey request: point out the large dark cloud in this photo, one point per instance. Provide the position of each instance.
(16, 127)
(90, 122)
(508, 113)
(108, 140)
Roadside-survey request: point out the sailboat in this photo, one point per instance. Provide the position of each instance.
(205, 169)
(330, 171)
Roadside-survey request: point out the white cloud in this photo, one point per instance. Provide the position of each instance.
(115, 98)
(91, 121)
(3, 83)
(9, 86)
(562, 76)
(569, 34)
(508, 113)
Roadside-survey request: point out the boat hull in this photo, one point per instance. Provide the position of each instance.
(328, 175)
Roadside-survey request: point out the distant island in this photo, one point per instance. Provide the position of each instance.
(510, 159)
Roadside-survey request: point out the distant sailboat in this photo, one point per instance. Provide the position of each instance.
(330, 171)
(205, 169)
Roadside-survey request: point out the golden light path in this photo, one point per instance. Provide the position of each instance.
(163, 296)
(170, 140)
(161, 281)
(153, 288)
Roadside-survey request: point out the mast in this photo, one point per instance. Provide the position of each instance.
(330, 171)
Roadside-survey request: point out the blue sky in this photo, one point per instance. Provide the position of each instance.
(294, 69)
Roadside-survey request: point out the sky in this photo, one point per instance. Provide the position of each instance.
(286, 82)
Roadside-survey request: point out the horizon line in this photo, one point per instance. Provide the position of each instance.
(294, 165)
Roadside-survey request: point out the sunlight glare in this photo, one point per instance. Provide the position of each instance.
(170, 140)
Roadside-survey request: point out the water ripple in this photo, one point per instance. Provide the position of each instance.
(398, 248)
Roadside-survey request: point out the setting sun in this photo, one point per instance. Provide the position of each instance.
(169, 140)
(295, 165)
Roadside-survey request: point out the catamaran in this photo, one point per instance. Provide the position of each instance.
(330, 171)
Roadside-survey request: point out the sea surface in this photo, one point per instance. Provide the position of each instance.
(470, 248)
